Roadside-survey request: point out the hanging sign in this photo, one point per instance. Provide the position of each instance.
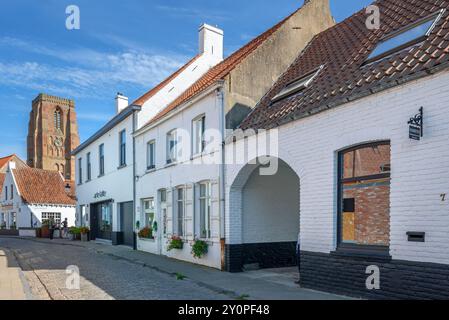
(416, 128)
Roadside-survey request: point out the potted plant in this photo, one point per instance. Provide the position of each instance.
(146, 233)
(45, 229)
(74, 233)
(84, 234)
(175, 243)
(199, 248)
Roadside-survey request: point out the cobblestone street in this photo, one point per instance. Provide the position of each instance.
(102, 276)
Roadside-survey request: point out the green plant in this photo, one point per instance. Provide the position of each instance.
(199, 249)
(84, 230)
(175, 243)
(74, 230)
(146, 233)
(243, 297)
(137, 225)
(180, 276)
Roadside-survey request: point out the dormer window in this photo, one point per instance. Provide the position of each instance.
(297, 85)
(405, 37)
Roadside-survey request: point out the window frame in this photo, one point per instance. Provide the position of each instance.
(150, 210)
(172, 157)
(353, 248)
(122, 148)
(180, 221)
(80, 170)
(208, 207)
(101, 160)
(151, 155)
(11, 197)
(88, 167)
(436, 16)
(195, 135)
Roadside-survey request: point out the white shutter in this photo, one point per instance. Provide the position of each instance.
(215, 210)
(188, 223)
(170, 224)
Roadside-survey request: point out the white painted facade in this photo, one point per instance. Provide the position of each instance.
(116, 185)
(187, 173)
(419, 176)
(15, 211)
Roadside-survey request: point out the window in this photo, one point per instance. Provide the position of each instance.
(89, 167)
(122, 151)
(80, 171)
(101, 159)
(57, 119)
(12, 192)
(172, 143)
(151, 155)
(6, 193)
(54, 217)
(297, 85)
(180, 209)
(148, 209)
(198, 128)
(204, 208)
(404, 38)
(364, 193)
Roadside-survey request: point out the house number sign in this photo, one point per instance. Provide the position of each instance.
(416, 129)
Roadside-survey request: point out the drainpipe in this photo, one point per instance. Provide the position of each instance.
(220, 97)
(134, 181)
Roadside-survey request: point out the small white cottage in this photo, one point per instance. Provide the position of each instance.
(30, 196)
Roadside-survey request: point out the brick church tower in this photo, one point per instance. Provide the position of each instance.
(52, 135)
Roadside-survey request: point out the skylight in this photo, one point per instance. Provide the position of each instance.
(405, 38)
(297, 85)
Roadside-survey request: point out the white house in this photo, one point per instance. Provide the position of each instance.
(29, 196)
(362, 130)
(105, 161)
(180, 178)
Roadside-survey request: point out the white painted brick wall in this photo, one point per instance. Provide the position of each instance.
(419, 169)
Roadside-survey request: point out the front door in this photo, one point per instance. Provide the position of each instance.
(101, 221)
(127, 223)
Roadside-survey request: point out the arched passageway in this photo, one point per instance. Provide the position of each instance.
(265, 209)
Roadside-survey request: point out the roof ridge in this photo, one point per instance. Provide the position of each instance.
(221, 70)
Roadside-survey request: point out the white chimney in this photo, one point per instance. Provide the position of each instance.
(211, 41)
(12, 165)
(121, 102)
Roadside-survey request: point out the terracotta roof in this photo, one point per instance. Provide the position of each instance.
(2, 180)
(4, 161)
(342, 50)
(38, 186)
(161, 85)
(220, 71)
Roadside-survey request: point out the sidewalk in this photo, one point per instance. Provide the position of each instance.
(11, 285)
(256, 285)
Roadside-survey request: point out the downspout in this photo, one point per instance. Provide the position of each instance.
(134, 181)
(220, 97)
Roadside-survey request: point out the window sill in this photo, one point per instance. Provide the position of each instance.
(171, 164)
(101, 175)
(363, 251)
(121, 167)
(87, 181)
(150, 170)
(147, 240)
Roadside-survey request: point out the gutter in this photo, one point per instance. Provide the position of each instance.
(220, 96)
(134, 181)
(107, 127)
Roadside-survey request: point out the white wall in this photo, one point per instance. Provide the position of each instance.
(172, 176)
(9, 206)
(118, 183)
(419, 168)
(271, 207)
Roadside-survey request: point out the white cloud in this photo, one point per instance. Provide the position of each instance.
(91, 116)
(89, 74)
(178, 12)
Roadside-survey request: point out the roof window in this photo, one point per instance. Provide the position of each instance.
(405, 37)
(297, 85)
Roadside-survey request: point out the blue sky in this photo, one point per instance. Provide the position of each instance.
(127, 46)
